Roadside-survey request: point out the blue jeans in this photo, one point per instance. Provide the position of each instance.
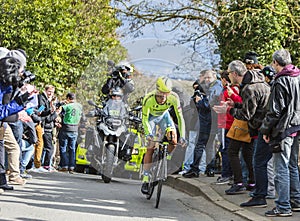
(198, 151)
(271, 184)
(261, 156)
(286, 174)
(67, 147)
(189, 154)
(27, 153)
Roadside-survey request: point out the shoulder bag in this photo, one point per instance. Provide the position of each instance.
(239, 131)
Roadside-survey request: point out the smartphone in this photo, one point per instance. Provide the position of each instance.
(41, 108)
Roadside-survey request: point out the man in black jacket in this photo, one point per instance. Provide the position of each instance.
(280, 129)
(254, 93)
(48, 117)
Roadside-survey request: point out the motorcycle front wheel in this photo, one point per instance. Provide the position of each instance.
(108, 167)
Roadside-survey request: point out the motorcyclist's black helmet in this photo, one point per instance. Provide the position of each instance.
(269, 72)
(9, 71)
(125, 66)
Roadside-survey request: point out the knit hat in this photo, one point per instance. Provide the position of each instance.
(3, 52)
(251, 57)
(18, 55)
(269, 72)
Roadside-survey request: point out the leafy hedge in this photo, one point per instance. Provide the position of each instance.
(60, 37)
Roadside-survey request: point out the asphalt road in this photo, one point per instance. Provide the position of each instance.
(62, 196)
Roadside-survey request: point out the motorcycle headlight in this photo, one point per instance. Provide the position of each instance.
(135, 151)
(113, 123)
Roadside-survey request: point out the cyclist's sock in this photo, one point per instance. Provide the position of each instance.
(169, 156)
(146, 178)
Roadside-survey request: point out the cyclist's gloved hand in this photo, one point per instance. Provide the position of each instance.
(182, 142)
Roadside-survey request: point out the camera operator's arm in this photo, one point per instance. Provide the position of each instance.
(9, 109)
(107, 86)
(128, 86)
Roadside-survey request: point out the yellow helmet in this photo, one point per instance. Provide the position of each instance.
(164, 84)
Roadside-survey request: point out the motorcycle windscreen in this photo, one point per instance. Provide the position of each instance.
(115, 109)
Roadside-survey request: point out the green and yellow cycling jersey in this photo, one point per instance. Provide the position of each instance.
(151, 107)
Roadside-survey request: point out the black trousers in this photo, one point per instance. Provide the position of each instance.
(48, 147)
(235, 163)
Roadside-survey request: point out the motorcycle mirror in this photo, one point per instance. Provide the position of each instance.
(138, 108)
(92, 103)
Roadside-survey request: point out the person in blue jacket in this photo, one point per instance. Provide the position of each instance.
(212, 88)
(11, 102)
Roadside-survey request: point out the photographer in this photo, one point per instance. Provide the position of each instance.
(212, 88)
(12, 102)
(120, 77)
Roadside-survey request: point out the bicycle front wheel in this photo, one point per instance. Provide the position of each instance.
(158, 194)
(151, 190)
(161, 175)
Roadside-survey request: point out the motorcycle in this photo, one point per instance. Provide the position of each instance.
(112, 143)
(135, 165)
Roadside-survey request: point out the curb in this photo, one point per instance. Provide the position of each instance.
(193, 188)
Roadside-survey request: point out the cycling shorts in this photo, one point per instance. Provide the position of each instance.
(164, 122)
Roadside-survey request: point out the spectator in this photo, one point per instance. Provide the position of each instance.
(254, 93)
(269, 74)
(207, 119)
(280, 129)
(225, 120)
(48, 116)
(192, 127)
(9, 77)
(251, 61)
(29, 138)
(10, 144)
(71, 115)
(261, 152)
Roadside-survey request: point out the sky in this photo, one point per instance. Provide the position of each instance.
(154, 53)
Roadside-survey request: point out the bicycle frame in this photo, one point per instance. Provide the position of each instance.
(158, 170)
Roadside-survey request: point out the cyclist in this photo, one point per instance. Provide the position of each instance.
(155, 112)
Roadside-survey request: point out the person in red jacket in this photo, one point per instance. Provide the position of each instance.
(225, 120)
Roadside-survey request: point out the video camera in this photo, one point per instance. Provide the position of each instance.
(59, 104)
(26, 78)
(198, 93)
(115, 74)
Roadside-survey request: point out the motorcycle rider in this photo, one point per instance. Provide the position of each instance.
(155, 112)
(120, 77)
(125, 153)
